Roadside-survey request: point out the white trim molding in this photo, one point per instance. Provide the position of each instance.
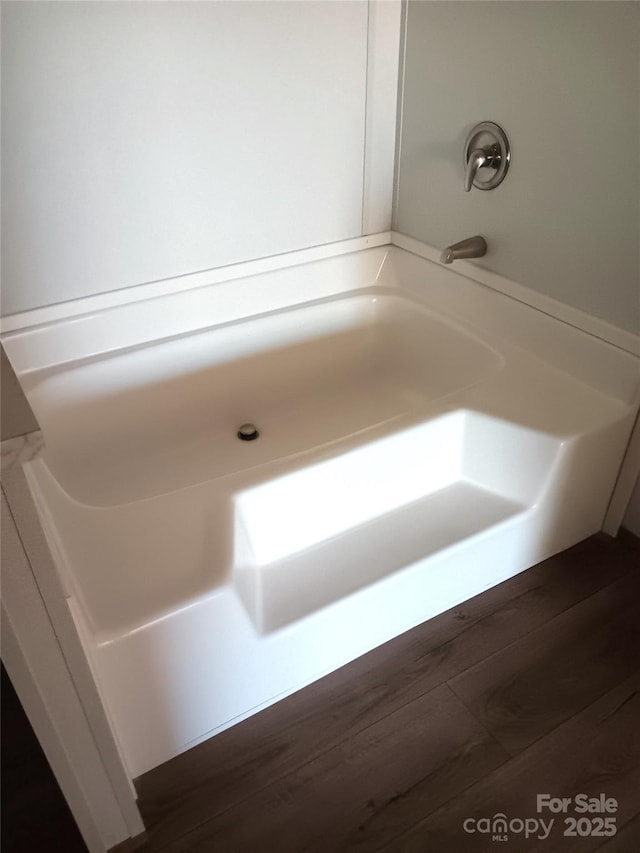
(383, 49)
(50, 673)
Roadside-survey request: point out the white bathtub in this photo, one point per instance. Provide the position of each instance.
(421, 439)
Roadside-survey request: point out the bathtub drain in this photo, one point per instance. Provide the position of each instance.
(247, 432)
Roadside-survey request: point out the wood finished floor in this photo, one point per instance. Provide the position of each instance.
(532, 687)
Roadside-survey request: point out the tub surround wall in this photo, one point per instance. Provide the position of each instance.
(145, 140)
(562, 79)
(148, 140)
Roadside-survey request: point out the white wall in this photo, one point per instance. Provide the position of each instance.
(145, 140)
(563, 79)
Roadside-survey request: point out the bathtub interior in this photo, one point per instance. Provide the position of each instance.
(165, 416)
(149, 504)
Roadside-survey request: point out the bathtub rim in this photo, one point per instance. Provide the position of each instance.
(579, 337)
(365, 292)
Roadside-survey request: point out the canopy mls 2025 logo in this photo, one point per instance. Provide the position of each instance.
(590, 817)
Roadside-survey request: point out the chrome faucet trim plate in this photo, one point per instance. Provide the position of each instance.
(487, 155)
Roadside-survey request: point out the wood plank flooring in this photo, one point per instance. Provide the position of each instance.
(532, 687)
